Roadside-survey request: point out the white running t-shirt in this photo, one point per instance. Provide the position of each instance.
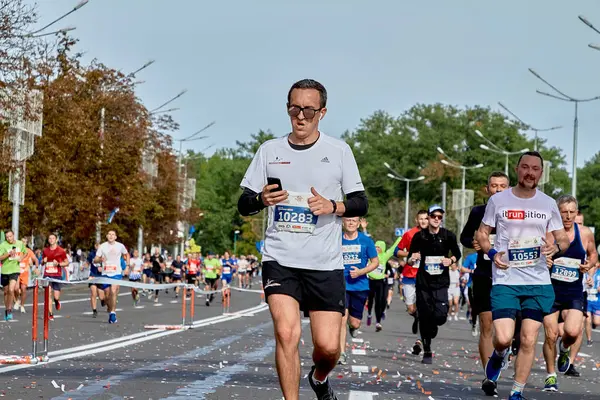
(295, 237)
(520, 226)
(112, 253)
(454, 277)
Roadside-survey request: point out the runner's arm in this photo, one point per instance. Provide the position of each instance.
(415, 247)
(454, 249)
(390, 252)
(483, 237)
(562, 240)
(468, 233)
(371, 266)
(250, 203)
(592, 253)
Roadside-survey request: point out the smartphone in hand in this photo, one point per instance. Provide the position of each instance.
(275, 181)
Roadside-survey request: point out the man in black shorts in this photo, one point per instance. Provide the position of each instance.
(158, 267)
(482, 276)
(302, 179)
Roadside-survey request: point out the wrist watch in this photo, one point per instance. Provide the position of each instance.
(334, 206)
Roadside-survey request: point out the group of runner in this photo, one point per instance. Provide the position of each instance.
(528, 268)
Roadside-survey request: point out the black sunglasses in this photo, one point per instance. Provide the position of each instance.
(309, 112)
(437, 216)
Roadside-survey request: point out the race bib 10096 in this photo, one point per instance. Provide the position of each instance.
(524, 252)
(433, 265)
(294, 215)
(565, 269)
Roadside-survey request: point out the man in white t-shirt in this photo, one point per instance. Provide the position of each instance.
(302, 261)
(522, 217)
(109, 254)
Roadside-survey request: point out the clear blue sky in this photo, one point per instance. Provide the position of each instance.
(238, 58)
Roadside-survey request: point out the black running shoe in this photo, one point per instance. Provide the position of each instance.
(572, 371)
(417, 348)
(322, 390)
(427, 358)
(94, 313)
(490, 388)
(102, 303)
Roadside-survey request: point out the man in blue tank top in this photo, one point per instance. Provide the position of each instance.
(566, 273)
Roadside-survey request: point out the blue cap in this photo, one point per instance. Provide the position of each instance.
(435, 208)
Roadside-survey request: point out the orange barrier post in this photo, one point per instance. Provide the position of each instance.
(46, 316)
(183, 308)
(193, 295)
(34, 316)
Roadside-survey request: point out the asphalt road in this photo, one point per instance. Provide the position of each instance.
(232, 357)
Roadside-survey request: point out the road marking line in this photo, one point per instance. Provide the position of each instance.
(98, 387)
(359, 352)
(360, 368)
(355, 395)
(200, 388)
(116, 343)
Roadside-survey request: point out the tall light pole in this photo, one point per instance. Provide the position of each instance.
(498, 150)
(77, 7)
(563, 97)
(455, 164)
(536, 130)
(235, 235)
(398, 177)
(194, 136)
(178, 95)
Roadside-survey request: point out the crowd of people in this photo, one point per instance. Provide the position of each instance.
(527, 261)
(111, 259)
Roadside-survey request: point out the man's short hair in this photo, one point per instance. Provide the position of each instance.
(310, 84)
(421, 212)
(9, 231)
(565, 199)
(533, 154)
(497, 174)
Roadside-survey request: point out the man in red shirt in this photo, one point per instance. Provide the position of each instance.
(54, 259)
(409, 272)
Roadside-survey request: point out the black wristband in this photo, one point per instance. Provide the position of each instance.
(334, 206)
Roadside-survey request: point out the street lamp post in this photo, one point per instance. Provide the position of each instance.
(235, 235)
(563, 97)
(495, 149)
(454, 164)
(398, 177)
(77, 7)
(535, 130)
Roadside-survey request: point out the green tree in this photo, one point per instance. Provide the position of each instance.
(589, 193)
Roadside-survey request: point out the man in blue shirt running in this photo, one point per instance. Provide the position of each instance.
(360, 258)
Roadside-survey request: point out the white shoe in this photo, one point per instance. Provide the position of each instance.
(17, 304)
(22, 310)
(455, 317)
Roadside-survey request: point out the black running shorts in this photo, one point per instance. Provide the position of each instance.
(482, 289)
(314, 290)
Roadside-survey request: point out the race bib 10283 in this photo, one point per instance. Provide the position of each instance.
(433, 265)
(524, 252)
(294, 215)
(565, 269)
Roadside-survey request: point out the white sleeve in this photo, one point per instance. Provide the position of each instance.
(123, 249)
(555, 222)
(351, 181)
(489, 218)
(254, 178)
